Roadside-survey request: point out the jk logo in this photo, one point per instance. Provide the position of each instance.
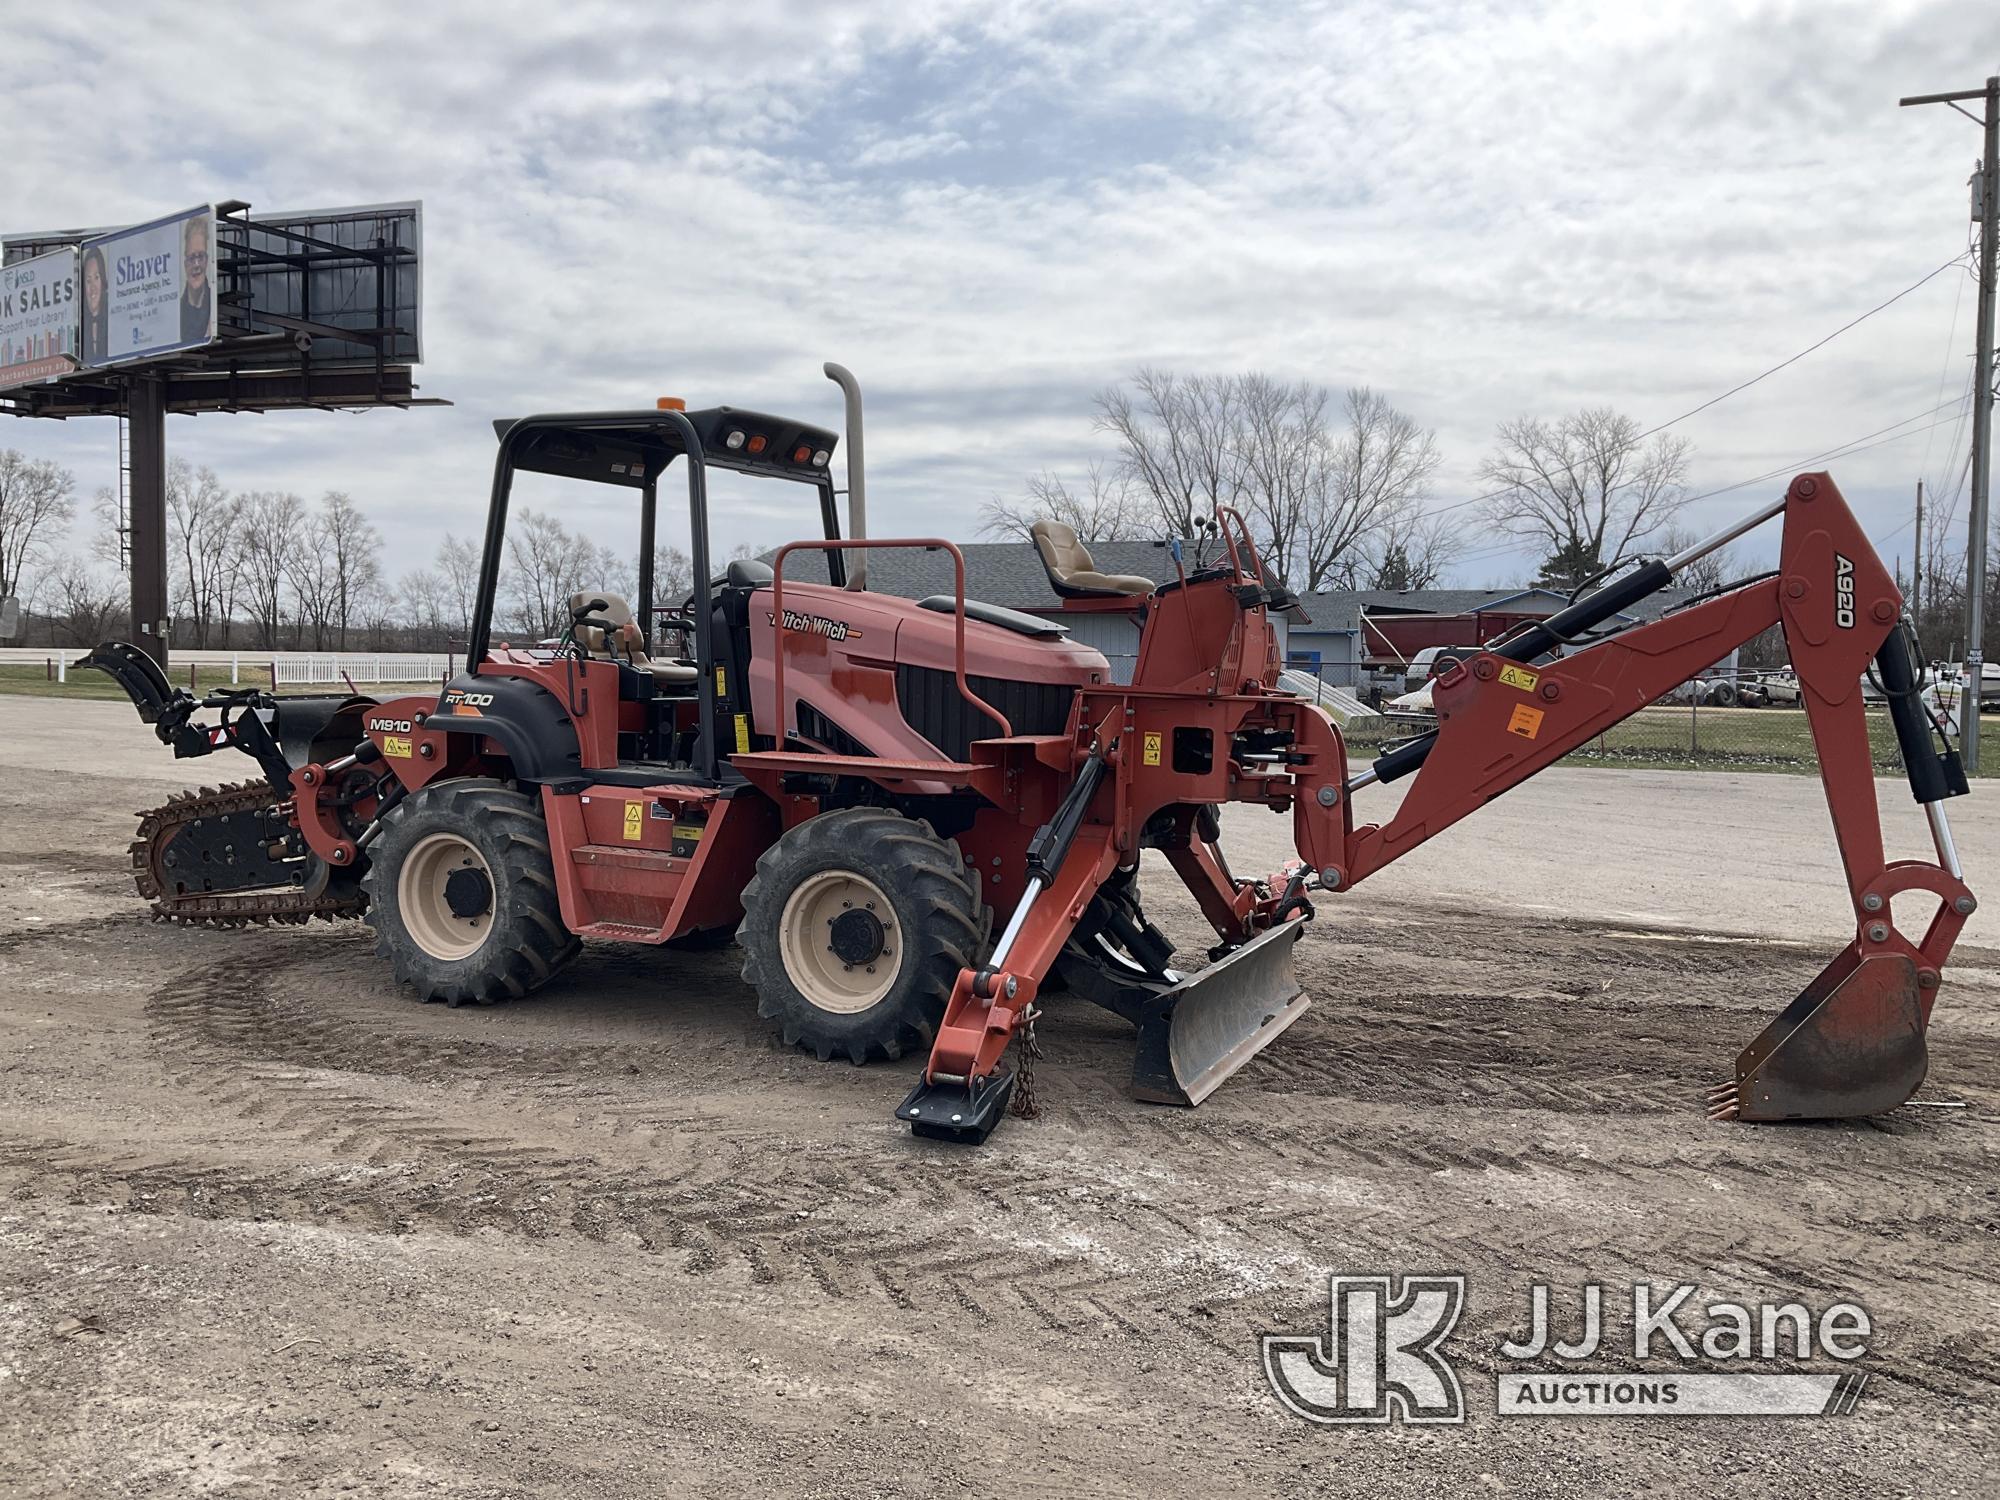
(1379, 1360)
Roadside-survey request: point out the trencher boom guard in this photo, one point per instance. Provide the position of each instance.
(855, 784)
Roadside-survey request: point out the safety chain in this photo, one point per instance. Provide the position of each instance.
(1024, 1105)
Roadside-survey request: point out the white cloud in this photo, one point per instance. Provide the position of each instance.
(989, 210)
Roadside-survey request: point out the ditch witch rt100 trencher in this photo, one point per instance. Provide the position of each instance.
(852, 785)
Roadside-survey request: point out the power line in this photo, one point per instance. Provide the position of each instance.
(1944, 370)
(1445, 510)
(1733, 390)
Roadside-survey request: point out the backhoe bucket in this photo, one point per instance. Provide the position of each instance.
(1196, 1034)
(1852, 1044)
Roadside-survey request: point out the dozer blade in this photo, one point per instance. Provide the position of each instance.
(1852, 1044)
(1196, 1034)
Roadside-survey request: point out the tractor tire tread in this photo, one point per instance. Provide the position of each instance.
(515, 846)
(922, 873)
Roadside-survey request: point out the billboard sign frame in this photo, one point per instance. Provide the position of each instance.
(147, 311)
(39, 319)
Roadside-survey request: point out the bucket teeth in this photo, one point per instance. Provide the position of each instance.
(1724, 1103)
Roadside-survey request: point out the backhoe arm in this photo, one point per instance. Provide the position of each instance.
(1853, 1042)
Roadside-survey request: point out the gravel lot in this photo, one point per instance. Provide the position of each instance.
(267, 1225)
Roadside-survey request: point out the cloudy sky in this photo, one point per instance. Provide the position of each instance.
(990, 210)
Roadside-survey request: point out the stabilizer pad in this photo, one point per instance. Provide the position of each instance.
(953, 1112)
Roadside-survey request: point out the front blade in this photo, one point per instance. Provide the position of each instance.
(1851, 1044)
(1206, 1027)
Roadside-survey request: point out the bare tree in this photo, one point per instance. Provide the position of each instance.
(269, 529)
(35, 499)
(201, 518)
(673, 574)
(548, 563)
(1409, 550)
(354, 555)
(1176, 442)
(1704, 573)
(426, 606)
(1283, 462)
(309, 570)
(1107, 508)
(84, 603)
(458, 573)
(1584, 488)
(1377, 474)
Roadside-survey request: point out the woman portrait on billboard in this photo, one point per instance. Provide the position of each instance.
(96, 308)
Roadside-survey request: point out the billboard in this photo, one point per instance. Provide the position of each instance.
(357, 268)
(38, 319)
(149, 290)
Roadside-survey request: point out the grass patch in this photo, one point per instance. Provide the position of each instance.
(1708, 739)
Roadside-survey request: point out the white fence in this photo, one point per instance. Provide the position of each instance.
(263, 668)
(297, 670)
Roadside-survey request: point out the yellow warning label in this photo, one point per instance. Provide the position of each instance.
(635, 820)
(1152, 752)
(1527, 722)
(721, 683)
(396, 745)
(743, 734)
(1519, 677)
(687, 831)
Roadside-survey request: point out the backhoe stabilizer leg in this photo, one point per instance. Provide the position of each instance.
(1850, 1045)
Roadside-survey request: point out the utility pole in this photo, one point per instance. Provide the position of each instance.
(1986, 209)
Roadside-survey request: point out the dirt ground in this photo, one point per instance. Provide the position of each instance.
(268, 1225)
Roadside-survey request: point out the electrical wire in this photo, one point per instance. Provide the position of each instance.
(1856, 323)
(1963, 255)
(1944, 370)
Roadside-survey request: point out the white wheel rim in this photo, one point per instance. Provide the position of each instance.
(805, 942)
(421, 900)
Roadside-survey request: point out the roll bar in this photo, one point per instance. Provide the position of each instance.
(666, 421)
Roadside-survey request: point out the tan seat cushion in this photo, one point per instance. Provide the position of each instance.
(1072, 572)
(596, 643)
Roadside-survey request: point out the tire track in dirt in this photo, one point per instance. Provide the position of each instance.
(878, 1216)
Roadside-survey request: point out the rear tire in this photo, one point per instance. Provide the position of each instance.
(462, 894)
(855, 929)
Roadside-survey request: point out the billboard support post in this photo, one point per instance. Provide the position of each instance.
(146, 408)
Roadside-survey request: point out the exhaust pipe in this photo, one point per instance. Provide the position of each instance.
(857, 487)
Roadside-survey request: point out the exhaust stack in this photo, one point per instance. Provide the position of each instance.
(857, 489)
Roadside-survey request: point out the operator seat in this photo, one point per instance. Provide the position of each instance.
(1072, 572)
(608, 646)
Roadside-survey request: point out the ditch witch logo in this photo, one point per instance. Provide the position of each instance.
(1382, 1358)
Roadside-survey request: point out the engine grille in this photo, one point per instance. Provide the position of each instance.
(814, 725)
(930, 701)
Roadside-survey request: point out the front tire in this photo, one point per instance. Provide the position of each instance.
(462, 894)
(855, 929)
